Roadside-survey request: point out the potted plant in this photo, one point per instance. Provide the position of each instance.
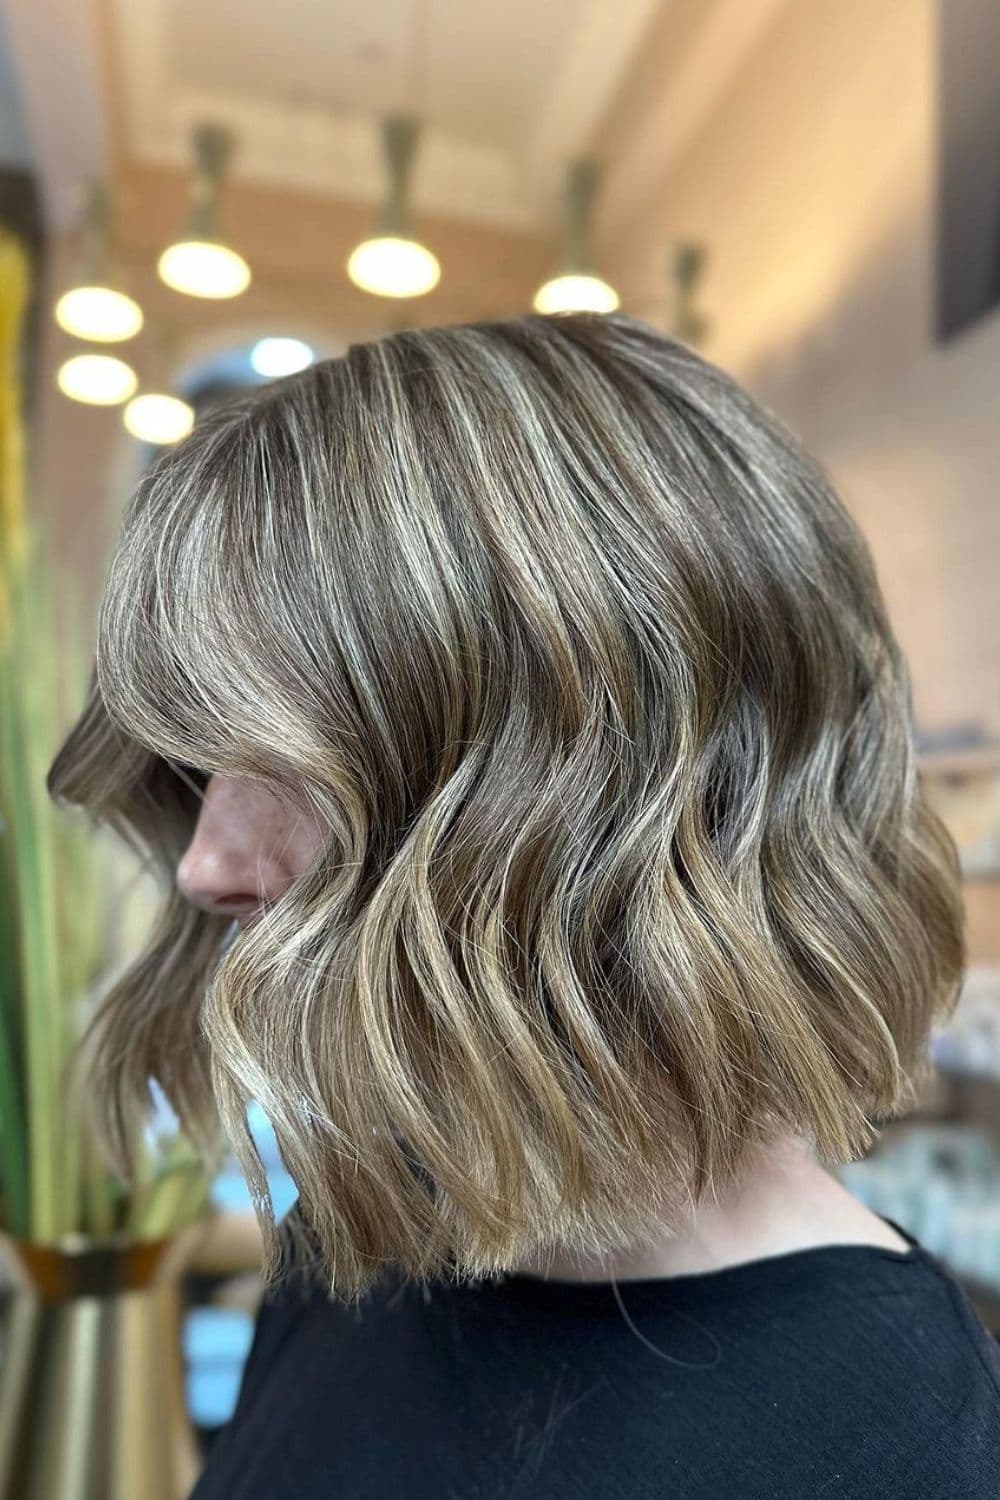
(91, 1388)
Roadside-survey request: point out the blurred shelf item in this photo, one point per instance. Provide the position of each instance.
(941, 1182)
(936, 1101)
(230, 1243)
(986, 1302)
(240, 1293)
(970, 1043)
(216, 1342)
(962, 782)
(972, 760)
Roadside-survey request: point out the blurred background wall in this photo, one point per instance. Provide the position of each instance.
(808, 162)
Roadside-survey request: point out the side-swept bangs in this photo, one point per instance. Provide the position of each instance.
(629, 870)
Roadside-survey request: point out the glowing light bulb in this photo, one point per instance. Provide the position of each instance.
(97, 379)
(280, 356)
(98, 314)
(204, 268)
(390, 266)
(576, 293)
(155, 417)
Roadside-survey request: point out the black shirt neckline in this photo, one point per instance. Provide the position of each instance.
(788, 1268)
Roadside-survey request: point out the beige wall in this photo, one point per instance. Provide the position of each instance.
(812, 183)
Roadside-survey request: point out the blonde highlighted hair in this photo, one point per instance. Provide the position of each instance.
(629, 868)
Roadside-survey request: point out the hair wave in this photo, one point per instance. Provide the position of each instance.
(629, 866)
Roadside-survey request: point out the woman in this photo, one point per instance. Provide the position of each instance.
(530, 686)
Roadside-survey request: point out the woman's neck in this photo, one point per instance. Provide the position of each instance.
(786, 1202)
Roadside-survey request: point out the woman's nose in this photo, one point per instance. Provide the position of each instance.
(229, 866)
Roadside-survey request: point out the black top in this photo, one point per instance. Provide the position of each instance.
(844, 1370)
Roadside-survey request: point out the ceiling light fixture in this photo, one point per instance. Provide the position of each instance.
(393, 263)
(685, 268)
(97, 379)
(200, 263)
(273, 357)
(577, 287)
(156, 417)
(93, 308)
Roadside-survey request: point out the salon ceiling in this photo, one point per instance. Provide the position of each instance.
(508, 92)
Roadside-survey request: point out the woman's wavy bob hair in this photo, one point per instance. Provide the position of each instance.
(629, 869)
